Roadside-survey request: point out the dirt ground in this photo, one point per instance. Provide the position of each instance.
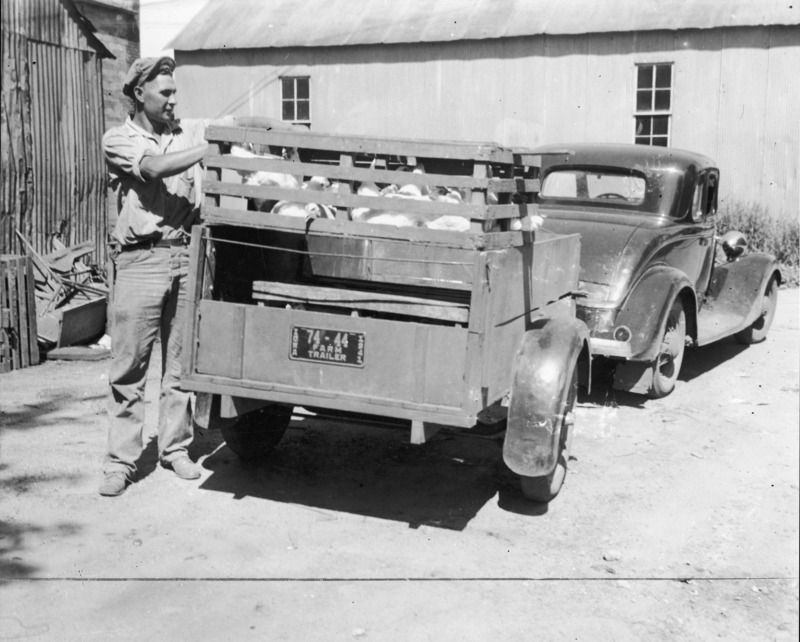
(678, 521)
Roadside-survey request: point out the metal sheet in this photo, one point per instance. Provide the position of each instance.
(244, 24)
(52, 88)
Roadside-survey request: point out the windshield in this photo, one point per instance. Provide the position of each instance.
(590, 184)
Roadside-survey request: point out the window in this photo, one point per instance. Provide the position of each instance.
(606, 186)
(653, 104)
(705, 196)
(295, 99)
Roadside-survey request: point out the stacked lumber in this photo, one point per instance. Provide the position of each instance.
(70, 297)
(18, 344)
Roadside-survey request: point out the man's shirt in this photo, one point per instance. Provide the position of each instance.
(161, 208)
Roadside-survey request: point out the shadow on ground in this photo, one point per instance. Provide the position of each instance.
(696, 362)
(15, 537)
(50, 411)
(372, 472)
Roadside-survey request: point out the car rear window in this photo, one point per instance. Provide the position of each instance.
(596, 185)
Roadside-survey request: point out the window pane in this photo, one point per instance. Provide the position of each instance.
(643, 126)
(560, 184)
(659, 142)
(660, 125)
(643, 100)
(604, 186)
(664, 76)
(302, 88)
(642, 140)
(288, 110)
(287, 86)
(645, 77)
(662, 99)
(302, 110)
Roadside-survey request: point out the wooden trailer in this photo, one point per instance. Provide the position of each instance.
(334, 310)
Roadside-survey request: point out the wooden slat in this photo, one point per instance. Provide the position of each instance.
(11, 280)
(33, 334)
(489, 152)
(361, 300)
(475, 212)
(5, 321)
(22, 314)
(400, 205)
(264, 220)
(363, 174)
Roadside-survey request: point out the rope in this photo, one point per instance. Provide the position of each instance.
(341, 256)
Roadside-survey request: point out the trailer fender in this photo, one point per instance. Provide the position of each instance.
(542, 373)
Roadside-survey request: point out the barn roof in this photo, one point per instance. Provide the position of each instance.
(245, 24)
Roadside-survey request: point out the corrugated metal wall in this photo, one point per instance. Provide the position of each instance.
(53, 171)
(734, 92)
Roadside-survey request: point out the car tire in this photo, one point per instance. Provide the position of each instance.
(667, 364)
(757, 331)
(544, 488)
(255, 434)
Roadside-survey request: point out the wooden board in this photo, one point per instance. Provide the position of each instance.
(295, 293)
(18, 323)
(487, 152)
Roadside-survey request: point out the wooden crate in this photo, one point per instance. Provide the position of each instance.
(18, 331)
(498, 184)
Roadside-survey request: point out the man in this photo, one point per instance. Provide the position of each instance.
(154, 169)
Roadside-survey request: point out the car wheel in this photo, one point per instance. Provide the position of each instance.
(757, 332)
(667, 365)
(545, 487)
(255, 434)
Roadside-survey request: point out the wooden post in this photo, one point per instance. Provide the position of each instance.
(345, 160)
(480, 170)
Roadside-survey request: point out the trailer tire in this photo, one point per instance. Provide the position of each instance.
(254, 435)
(544, 488)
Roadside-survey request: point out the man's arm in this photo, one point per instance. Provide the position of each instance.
(165, 165)
(152, 167)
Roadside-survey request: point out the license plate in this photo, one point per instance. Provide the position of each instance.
(327, 346)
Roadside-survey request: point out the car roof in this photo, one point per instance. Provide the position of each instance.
(643, 157)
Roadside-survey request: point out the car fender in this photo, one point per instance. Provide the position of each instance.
(541, 373)
(646, 308)
(737, 286)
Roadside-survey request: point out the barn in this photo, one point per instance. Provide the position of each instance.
(54, 176)
(714, 76)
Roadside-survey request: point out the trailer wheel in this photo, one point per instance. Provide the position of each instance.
(255, 434)
(545, 487)
(757, 332)
(667, 365)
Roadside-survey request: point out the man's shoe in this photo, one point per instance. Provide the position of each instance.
(184, 468)
(114, 484)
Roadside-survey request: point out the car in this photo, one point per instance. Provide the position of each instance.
(655, 276)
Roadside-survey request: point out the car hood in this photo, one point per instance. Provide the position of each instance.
(614, 247)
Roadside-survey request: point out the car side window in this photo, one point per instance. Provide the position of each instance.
(606, 186)
(705, 197)
(711, 195)
(698, 202)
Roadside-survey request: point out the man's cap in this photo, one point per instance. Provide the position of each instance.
(143, 70)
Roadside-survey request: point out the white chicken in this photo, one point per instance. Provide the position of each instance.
(274, 179)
